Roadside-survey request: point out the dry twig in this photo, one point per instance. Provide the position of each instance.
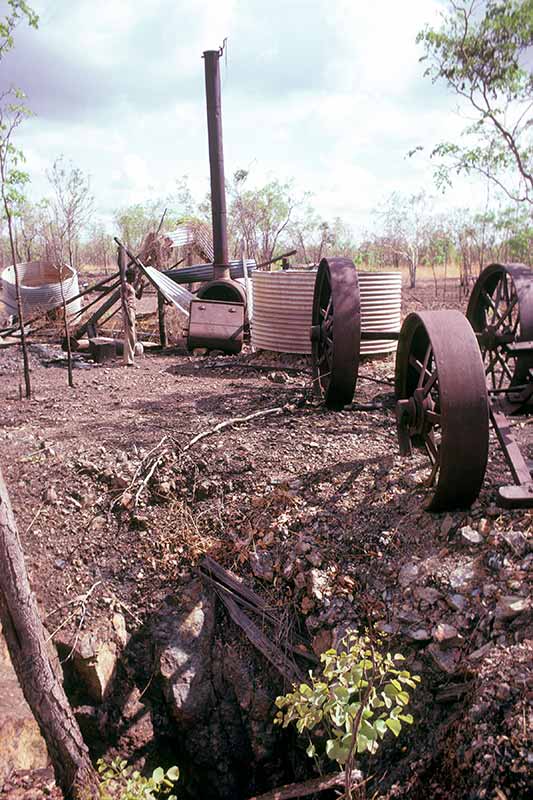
(227, 423)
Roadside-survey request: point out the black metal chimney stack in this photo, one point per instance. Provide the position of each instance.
(216, 163)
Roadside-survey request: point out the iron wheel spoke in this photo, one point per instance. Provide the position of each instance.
(424, 366)
(434, 376)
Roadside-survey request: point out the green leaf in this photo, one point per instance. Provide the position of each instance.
(368, 730)
(337, 751)
(341, 693)
(158, 774)
(408, 718)
(394, 725)
(173, 773)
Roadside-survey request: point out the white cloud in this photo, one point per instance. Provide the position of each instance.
(328, 92)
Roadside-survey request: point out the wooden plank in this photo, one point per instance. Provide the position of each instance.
(233, 582)
(8, 341)
(235, 586)
(287, 668)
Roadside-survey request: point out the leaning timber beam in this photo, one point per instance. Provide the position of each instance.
(80, 332)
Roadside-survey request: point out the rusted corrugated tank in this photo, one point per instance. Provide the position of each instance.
(283, 304)
(381, 307)
(282, 310)
(40, 288)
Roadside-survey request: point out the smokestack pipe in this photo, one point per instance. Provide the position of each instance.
(216, 163)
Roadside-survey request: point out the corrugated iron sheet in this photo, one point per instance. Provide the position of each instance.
(172, 291)
(381, 308)
(39, 287)
(283, 304)
(204, 272)
(193, 235)
(283, 308)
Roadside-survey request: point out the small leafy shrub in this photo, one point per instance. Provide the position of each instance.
(120, 782)
(361, 695)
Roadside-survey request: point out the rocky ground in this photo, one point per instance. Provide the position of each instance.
(117, 505)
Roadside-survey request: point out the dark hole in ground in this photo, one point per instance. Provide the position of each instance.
(189, 690)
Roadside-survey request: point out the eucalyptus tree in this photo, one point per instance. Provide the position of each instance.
(405, 228)
(259, 217)
(16, 11)
(482, 53)
(71, 208)
(26, 639)
(13, 178)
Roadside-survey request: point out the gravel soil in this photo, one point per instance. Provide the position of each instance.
(112, 499)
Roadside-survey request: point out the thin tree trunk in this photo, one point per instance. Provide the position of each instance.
(67, 331)
(445, 272)
(19, 302)
(26, 642)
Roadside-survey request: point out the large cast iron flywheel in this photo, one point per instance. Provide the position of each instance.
(500, 310)
(336, 332)
(443, 405)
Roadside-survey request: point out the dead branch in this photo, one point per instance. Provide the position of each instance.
(227, 423)
(81, 602)
(227, 583)
(151, 469)
(308, 787)
(287, 668)
(146, 479)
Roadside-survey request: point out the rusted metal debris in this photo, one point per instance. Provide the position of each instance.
(452, 373)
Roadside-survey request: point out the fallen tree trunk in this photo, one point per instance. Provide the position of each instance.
(26, 641)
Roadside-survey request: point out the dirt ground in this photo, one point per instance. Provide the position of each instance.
(92, 519)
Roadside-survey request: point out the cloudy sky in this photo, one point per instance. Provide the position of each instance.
(329, 93)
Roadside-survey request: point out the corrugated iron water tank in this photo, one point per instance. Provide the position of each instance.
(282, 310)
(381, 308)
(40, 288)
(283, 307)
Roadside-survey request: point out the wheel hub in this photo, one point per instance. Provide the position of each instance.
(491, 338)
(412, 421)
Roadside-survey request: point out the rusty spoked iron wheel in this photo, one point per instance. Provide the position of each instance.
(500, 310)
(443, 405)
(336, 332)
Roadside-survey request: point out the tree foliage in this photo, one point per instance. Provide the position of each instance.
(481, 54)
(259, 216)
(406, 222)
(136, 220)
(17, 10)
(71, 209)
(361, 696)
(118, 781)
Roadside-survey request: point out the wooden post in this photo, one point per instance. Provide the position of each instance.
(122, 267)
(161, 317)
(26, 641)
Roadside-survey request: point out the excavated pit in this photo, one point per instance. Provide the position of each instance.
(188, 689)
